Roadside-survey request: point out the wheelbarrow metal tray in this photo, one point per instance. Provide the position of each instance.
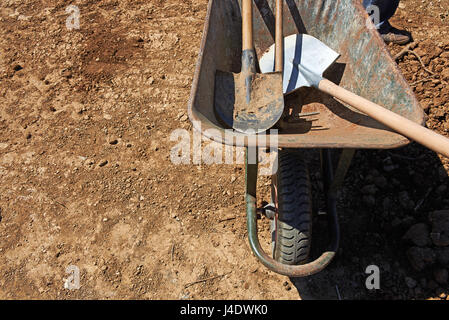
(365, 68)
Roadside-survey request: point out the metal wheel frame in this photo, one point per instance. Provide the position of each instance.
(331, 184)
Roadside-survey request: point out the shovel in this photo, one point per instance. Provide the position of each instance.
(306, 58)
(249, 102)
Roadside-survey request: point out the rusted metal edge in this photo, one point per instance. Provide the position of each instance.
(201, 123)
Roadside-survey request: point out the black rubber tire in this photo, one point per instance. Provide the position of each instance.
(292, 227)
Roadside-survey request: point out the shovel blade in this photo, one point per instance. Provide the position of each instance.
(249, 103)
(300, 49)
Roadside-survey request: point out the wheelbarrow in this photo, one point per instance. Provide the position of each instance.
(311, 119)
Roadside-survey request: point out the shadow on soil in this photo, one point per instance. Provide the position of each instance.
(385, 193)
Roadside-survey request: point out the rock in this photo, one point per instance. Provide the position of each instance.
(386, 203)
(443, 256)
(441, 189)
(432, 285)
(418, 234)
(369, 200)
(423, 282)
(380, 182)
(440, 275)
(438, 112)
(66, 73)
(420, 258)
(396, 223)
(445, 74)
(405, 201)
(370, 189)
(418, 291)
(440, 227)
(411, 283)
(17, 67)
(102, 163)
(442, 173)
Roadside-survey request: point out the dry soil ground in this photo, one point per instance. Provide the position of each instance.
(86, 177)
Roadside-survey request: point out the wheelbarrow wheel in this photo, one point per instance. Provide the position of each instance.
(292, 226)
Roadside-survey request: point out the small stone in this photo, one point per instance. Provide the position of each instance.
(386, 203)
(440, 227)
(102, 163)
(418, 291)
(440, 275)
(420, 258)
(405, 201)
(390, 167)
(105, 219)
(113, 141)
(445, 74)
(380, 182)
(441, 189)
(432, 285)
(423, 282)
(418, 234)
(369, 200)
(66, 73)
(396, 222)
(370, 189)
(443, 256)
(411, 283)
(17, 67)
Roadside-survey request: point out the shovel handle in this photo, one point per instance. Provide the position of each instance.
(247, 25)
(404, 126)
(279, 41)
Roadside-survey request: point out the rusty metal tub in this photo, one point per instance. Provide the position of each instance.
(365, 67)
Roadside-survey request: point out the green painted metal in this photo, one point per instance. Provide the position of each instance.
(251, 217)
(365, 68)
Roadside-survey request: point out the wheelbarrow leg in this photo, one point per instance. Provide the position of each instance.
(288, 270)
(336, 181)
(332, 182)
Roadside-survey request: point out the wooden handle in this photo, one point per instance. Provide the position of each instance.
(404, 126)
(247, 25)
(279, 51)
